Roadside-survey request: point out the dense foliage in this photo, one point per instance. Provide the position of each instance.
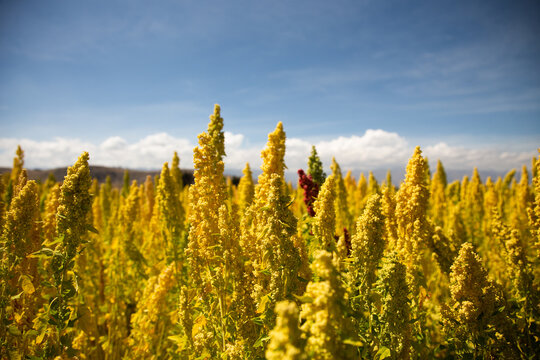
(334, 268)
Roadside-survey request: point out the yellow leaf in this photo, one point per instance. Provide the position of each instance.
(262, 304)
(27, 286)
(180, 341)
(40, 337)
(198, 325)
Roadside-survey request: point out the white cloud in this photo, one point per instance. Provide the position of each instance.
(375, 149)
(114, 143)
(491, 158)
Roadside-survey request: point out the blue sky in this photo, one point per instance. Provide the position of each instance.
(465, 74)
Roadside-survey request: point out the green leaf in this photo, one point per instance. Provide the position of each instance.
(44, 252)
(31, 333)
(91, 228)
(41, 335)
(383, 353)
(353, 342)
(15, 297)
(257, 320)
(14, 330)
(262, 304)
(261, 340)
(179, 340)
(26, 284)
(68, 288)
(304, 299)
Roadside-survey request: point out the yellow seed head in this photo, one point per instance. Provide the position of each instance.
(171, 212)
(177, 173)
(286, 341)
(438, 194)
(395, 310)
(325, 215)
(411, 206)
(21, 219)
(245, 189)
(49, 218)
(18, 164)
(368, 243)
(273, 160)
(324, 317)
(343, 216)
(473, 297)
(206, 195)
(74, 204)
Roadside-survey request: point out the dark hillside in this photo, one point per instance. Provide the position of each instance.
(101, 172)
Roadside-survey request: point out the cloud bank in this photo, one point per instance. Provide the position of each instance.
(375, 149)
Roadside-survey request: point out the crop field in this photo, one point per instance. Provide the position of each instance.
(330, 267)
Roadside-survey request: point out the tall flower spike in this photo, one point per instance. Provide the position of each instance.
(21, 182)
(245, 189)
(411, 206)
(350, 186)
(269, 230)
(149, 199)
(171, 213)
(474, 206)
(518, 264)
(18, 164)
(464, 188)
(207, 195)
(275, 227)
(215, 131)
(20, 220)
(453, 192)
(389, 179)
(491, 196)
(360, 195)
(177, 173)
(131, 207)
(438, 194)
(315, 167)
(74, 204)
(523, 200)
(49, 218)
(474, 299)
(388, 207)
(442, 249)
(20, 238)
(373, 185)
(311, 190)
(368, 245)
(324, 227)
(343, 217)
(534, 210)
(395, 310)
(273, 160)
(286, 341)
(125, 185)
(2, 201)
(325, 322)
(143, 339)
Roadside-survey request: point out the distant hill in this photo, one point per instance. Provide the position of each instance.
(117, 174)
(101, 172)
